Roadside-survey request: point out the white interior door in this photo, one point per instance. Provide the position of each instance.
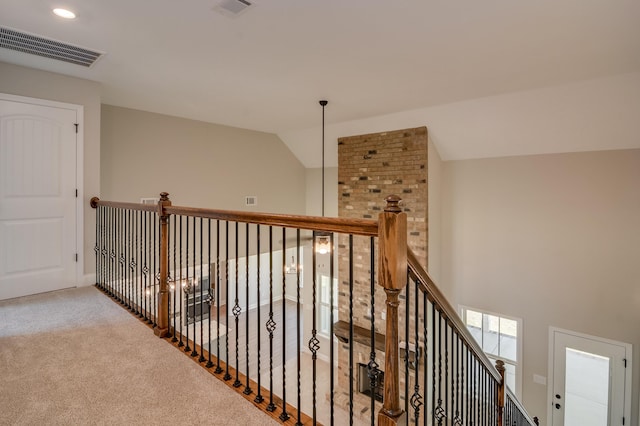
(588, 380)
(37, 198)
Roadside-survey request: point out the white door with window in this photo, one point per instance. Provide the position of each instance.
(589, 380)
(37, 197)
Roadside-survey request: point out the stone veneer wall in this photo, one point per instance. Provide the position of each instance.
(371, 167)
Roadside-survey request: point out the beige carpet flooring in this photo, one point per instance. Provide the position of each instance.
(74, 357)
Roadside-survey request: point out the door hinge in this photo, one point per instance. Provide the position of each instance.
(76, 257)
(76, 124)
(625, 362)
(76, 193)
(623, 420)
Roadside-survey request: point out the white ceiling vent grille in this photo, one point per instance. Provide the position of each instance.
(233, 8)
(42, 46)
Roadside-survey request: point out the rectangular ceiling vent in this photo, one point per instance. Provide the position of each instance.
(48, 48)
(233, 8)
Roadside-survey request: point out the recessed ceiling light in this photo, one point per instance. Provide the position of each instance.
(64, 13)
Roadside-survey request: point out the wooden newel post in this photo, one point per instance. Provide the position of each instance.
(162, 327)
(392, 276)
(501, 392)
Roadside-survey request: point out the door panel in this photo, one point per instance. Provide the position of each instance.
(37, 198)
(588, 381)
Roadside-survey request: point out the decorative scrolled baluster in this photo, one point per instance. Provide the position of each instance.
(236, 313)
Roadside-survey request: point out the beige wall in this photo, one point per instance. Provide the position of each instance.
(551, 239)
(199, 164)
(33, 83)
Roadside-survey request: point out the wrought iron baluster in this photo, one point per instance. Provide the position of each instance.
(202, 301)
(259, 398)
(194, 352)
(180, 288)
(155, 276)
(416, 398)
(298, 324)
(247, 387)
(457, 420)
(440, 412)
(175, 289)
(210, 293)
(433, 364)
(331, 321)
(446, 368)
(314, 343)
(236, 314)
(351, 361)
(227, 376)
(284, 416)
(271, 325)
(187, 285)
(425, 318)
(121, 258)
(407, 320)
(373, 371)
(218, 369)
(132, 262)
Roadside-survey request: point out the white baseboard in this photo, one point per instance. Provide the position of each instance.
(88, 279)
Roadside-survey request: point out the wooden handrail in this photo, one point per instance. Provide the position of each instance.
(362, 227)
(427, 285)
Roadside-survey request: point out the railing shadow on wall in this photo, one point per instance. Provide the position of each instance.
(219, 286)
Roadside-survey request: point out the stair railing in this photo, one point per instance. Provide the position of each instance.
(174, 267)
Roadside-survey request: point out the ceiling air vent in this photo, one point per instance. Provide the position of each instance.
(233, 8)
(42, 46)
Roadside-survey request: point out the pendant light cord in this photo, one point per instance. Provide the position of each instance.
(323, 103)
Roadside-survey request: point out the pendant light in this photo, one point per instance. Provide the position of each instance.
(323, 244)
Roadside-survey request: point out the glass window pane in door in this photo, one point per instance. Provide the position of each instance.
(586, 389)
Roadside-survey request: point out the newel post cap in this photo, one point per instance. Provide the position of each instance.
(94, 202)
(393, 202)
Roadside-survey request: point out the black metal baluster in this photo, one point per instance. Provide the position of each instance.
(331, 321)
(372, 367)
(181, 286)
(314, 343)
(247, 387)
(96, 248)
(154, 276)
(121, 258)
(351, 390)
(259, 398)
(132, 262)
(446, 368)
(416, 398)
(298, 323)
(140, 264)
(462, 381)
(425, 317)
(236, 314)
(210, 298)
(125, 253)
(440, 411)
(176, 289)
(483, 395)
(188, 285)
(218, 369)
(407, 320)
(271, 325)
(433, 365)
(227, 376)
(194, 352)
(284, 416)
(457, 393)
(202, 301)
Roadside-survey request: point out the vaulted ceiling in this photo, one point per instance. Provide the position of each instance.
(266, 68)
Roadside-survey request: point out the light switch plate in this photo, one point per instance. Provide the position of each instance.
(541, 380)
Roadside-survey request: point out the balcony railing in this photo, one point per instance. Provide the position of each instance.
(250, 298)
